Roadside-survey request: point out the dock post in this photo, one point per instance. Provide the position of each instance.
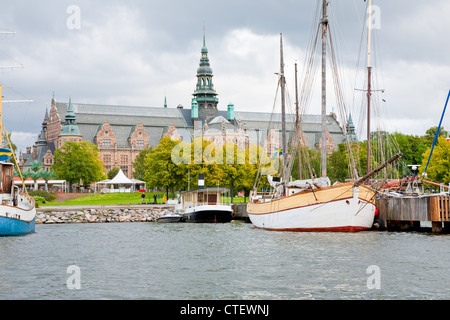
(436, 226)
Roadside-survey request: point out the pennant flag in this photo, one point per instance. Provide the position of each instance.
(5, 154)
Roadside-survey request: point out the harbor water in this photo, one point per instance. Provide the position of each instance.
(220, 261)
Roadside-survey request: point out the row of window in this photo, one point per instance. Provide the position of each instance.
(107, 158)
(107, 143)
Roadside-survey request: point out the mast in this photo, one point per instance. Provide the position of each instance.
(297, 126)
(369, 84)
(324, 23)
(283, 110)
(1, 117)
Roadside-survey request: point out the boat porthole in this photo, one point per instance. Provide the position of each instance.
(347, 202)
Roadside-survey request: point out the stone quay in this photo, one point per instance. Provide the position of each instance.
(100, 214)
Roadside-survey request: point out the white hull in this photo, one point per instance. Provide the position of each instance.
(25, 210)
(348, 214)
(17, 220)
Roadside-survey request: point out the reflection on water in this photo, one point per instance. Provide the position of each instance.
(220, 261)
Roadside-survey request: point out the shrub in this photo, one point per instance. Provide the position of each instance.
(40, 193)
(39, 199)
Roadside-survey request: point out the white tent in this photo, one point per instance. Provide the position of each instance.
(121, 180)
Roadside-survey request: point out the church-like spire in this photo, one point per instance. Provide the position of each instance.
(69, 127)
(165, 99)
(45, 121)
(205, 93)
(70, 115)
(351, 132)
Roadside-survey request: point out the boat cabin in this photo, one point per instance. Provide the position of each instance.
(6, 177)
(205, 196)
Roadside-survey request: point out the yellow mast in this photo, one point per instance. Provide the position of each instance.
(1, 114)
(3, 129)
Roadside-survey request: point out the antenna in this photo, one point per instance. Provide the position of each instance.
(7, 32)
(1, 109)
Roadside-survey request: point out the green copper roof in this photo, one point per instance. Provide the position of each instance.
(194, 109)
(204, 69)
(69, 127)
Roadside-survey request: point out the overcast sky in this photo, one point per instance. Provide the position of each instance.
(135, 52)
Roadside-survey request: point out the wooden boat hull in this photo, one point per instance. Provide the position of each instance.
(208, 214)
(341, 209)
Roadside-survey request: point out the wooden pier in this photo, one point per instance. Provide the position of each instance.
(407, 212)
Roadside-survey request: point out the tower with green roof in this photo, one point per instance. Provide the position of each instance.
(351, 131)
(69, 130)
(205, 93)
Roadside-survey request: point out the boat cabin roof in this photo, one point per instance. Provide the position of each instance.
(207, 190)
(6, 164)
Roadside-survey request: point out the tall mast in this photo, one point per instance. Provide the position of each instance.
(1, 117)
(283, 109)
(324, 23)
(297, 126)
(369, 84)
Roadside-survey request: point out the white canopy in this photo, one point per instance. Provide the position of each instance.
(120, 178)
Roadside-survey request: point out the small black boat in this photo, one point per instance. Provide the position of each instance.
(170, 217)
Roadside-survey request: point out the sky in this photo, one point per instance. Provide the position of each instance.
(137, 52)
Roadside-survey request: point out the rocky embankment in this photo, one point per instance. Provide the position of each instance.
(99, 215)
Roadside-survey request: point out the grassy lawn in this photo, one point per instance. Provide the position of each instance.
(117, 198)
(106, 198)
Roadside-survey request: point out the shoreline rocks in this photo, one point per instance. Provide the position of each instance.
(103, 215)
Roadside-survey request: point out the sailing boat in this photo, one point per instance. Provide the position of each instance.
(314, 204)
(17, 209)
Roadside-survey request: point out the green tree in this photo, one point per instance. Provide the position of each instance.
(112, 173)
(338, 164)
(161, 171)
(47, 175)
(35, 172)
(78, 162)
(431, 133)
(139, 164)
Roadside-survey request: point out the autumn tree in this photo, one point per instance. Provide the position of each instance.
(205, 158)
(439, 166)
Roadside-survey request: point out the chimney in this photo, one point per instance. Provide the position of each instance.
(201, 181)
(34, 151)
